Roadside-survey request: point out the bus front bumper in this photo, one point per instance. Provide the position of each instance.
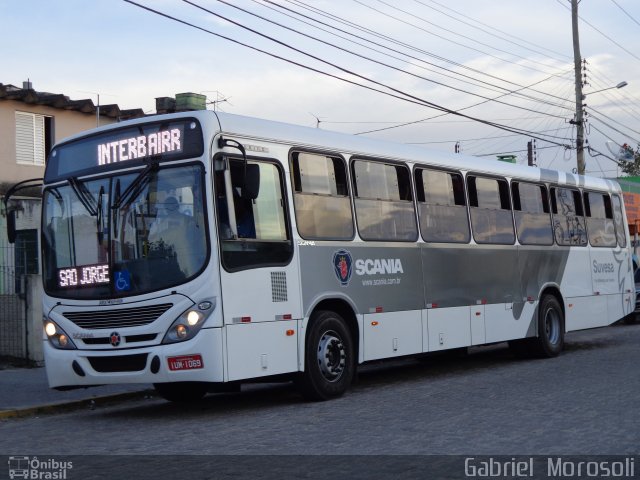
(197, 360)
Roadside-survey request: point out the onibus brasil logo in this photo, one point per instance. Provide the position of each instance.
(40, 469)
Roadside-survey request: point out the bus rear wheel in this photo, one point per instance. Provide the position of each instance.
(550, 339)
(329, 358)
(181, 391)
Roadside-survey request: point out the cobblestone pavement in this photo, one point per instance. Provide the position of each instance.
(583, 402)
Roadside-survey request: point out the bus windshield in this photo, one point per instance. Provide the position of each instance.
(124, 234)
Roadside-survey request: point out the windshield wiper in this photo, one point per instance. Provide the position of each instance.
(84, 196)
(99, 222)
(136, 186)
(132, 191)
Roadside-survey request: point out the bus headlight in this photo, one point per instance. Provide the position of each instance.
(189, 323)
(56, 335)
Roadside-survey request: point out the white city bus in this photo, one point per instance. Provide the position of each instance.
(200, 250)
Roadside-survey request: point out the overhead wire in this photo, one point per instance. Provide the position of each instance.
(492, 30)
(453, 32)
(355, 26)
(454, 75)
(405, 95)
(378, 62)
(625, 12)
(602, 33)
(327, 15)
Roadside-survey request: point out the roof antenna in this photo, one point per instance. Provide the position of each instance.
(318, 119)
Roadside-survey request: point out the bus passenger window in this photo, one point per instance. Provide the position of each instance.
(568, 217)
(490, 210)
(600, 225)
(384, 205)
(321, 197)
(442, 207)
(261, 219)
(532, 214)
(619, 221)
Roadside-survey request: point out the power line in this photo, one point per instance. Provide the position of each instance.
(492, 31)
(527, 97)
(603, 34)
(440, 115)
(454, 75)
(516, 151)
(405, 95)
(452, 32)
(373, 33)
(474, 139)
(400, 95)
(626, 13)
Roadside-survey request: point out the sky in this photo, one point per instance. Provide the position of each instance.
(391, 69)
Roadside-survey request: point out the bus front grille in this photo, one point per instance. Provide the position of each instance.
(119, 318)
(121, 363)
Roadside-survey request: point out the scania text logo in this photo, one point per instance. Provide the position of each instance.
(378, 266)
(344, 265)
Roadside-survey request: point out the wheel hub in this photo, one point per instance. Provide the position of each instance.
(552, 326)
(331, 356)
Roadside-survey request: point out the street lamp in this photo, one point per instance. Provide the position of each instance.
(579, 115)
(620, 85)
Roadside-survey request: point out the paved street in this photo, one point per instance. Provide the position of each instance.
(584, 402)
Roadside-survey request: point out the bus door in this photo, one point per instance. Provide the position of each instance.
(260, 292)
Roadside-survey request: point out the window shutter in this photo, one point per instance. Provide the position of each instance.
(30, 141)
(38, 140)
(24, 137)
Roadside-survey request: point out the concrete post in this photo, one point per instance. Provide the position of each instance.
(34, 319)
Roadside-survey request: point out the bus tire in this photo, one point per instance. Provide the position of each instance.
(181, 391)
(550, 339)
(329, 358)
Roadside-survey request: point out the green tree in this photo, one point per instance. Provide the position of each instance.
(631, 167)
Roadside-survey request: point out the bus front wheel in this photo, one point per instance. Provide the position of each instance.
(329, 358)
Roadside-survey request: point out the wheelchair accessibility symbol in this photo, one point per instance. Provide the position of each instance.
(123, 281)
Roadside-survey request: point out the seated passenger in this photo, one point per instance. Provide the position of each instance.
(174, 234)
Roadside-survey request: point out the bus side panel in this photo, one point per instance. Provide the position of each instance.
(261, 294)
(261, 349)
(464, 275)
(611, 273)
(540, 266)
(576, 278)
(385, 278)
(478, 327)
(619, 306)
(392, 334)
(612, 278)
(585, 312)
(508, 321)
(447, 328)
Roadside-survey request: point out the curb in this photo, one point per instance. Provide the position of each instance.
(72, 405)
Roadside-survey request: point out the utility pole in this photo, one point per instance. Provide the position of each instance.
(577, 64)
(530, 160)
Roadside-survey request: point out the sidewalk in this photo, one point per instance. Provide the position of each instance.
(25, 391)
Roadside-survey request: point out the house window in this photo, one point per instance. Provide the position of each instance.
(33, 138)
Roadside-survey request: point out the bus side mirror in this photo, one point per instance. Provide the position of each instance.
(251, 184)
(11, 226)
